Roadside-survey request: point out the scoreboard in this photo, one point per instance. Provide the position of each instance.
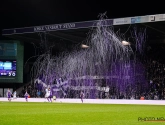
(8, 68)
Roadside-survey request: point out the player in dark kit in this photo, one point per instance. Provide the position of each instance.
(9, 94)
(26, 96)
(81, 96)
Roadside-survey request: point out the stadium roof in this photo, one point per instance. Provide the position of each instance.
(76, 32)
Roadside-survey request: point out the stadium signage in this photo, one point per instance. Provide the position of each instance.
(151, 119)
(152, 18)
(54, 27)
(85, 24)
(136, 20)
(121, 21)
(161, 17)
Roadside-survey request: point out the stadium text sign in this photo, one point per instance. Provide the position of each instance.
(54, 27)
(144, 119)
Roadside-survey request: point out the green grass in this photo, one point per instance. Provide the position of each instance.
(30, 113)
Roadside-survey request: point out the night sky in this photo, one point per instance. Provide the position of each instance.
(23, 13)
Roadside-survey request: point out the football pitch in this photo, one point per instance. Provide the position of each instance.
(38, 113)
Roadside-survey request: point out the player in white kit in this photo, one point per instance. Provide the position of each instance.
(46, 92)
(15, 95)
(48, 95)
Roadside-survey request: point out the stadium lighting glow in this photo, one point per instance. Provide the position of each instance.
(125, 43)
(84, 46)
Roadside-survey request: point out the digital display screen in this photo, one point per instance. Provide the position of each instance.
(8, 68)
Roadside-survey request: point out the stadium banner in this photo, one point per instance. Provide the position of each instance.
(160, 17)
(121, 21)
(85, 24)
(140, 19)
(155, 18)
(152, 18)
(135, 20)
(144, 19)
(130, 20)
(55, 27)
